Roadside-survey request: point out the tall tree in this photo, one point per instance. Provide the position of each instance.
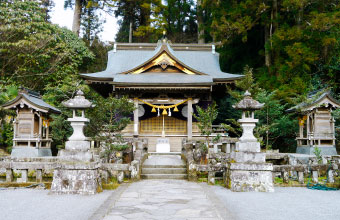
(34, 52)
(77, 16)
(292, 41)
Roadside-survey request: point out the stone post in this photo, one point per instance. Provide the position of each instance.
(315, 177)
(23, 178)
(330, 176)
(300, 177)
(38, 175)
(211, 177)
(9, 175)
(285, 177)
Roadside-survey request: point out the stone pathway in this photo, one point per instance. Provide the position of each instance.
(164, 199)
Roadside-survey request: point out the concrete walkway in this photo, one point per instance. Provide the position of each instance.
(164, 199)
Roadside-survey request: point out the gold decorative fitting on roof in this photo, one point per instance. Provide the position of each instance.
(163, 60)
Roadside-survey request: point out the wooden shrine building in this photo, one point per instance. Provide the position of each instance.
(31, 136)
(166, 81)
(316, 125)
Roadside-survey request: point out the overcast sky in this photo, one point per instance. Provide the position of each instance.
(64, 19)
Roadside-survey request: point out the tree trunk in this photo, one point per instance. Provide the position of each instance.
(130, 32)
(200, 35)
(76, 17)
(266, 49)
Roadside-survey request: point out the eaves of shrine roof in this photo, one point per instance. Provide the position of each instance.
(162, 79)
(33, 99)
(123, 61)
(315, 101)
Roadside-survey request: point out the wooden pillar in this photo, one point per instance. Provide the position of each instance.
(15, 130)
(307, 127)
(40, 131)
(189, 119)
(135, 118)
(333, 129)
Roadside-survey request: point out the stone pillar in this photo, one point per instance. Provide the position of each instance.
(9, 175)
(315, 177)
(300, 177)
(38, 175)
(228, 149)
(135, 118)
(189, 119)
(285, 177)
(105, 176)
(211, 177)
(330, 176)
(23, 178)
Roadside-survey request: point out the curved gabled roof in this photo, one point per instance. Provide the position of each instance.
(33, 101)
(315, 102)
(123, 62)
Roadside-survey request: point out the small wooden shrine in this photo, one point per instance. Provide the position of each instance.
(316, 125)
(166, 82)
(31, 136)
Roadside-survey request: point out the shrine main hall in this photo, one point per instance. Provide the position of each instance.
(166, 82)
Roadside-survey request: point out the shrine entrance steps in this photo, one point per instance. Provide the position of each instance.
(164, 166)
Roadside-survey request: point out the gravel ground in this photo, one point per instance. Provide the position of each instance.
(37, 204)
(285, 203)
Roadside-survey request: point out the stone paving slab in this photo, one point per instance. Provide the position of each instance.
(163, 199)
(286, 203)
(164, 160)
(38, 204)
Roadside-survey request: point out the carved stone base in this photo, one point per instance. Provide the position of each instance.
(76, 178)
(73, 155)
(250, 177)
(31, 152)
(325, 150)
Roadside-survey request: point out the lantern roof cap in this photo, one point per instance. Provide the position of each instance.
(78, 102)
(248, 103)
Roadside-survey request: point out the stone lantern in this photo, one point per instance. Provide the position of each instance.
(78, 169)
(247, 169)
(77, 147)
(248, 106)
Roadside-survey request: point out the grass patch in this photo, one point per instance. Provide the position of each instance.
(19, 185)
(112, 184)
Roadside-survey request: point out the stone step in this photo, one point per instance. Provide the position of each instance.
(163, 154)
(163, 166)
(164, 176)
(164, 171)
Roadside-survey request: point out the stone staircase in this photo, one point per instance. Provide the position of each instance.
(164, 166)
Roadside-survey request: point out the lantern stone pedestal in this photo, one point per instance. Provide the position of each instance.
(78, 169)
(247, 170)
